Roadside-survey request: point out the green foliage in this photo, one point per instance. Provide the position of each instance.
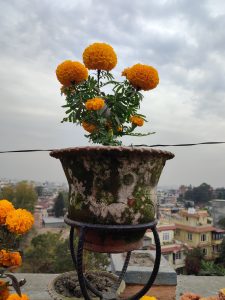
(22, 195)
(221, 223)
(221, 258)
(219, 193)
(49, 253)
(209, 268)
(8, 193)
(200, 195)
(120, 105)
(59, 205)
(193, 261)
(25, 196)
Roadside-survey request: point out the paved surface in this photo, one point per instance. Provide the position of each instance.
(36, 286)
(203, 285)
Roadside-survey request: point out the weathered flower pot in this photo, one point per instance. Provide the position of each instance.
(112, 185)
(72, 277)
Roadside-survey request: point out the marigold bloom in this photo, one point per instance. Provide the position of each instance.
(69, 72)
(120, 129)
(148, 298)
(19, 221)
(99, 56)
(88, 127)
(136, 120)
(17, 297)
(10, 259)
(142, 76)
(4, 291)
(95, 104)
(5, 208)
(125, 71)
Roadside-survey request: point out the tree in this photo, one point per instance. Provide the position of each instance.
(200, 195)
(8, 192)
(193, 261)
(221, 223)
(49, 253)
(221, 258)
(59, 205)
(25, 196)
(40, 256)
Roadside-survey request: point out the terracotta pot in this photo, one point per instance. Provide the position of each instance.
(112, 185)
(56, 296)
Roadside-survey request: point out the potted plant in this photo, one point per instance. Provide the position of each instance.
(109, 184)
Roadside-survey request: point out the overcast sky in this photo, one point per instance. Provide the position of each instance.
(184, 40)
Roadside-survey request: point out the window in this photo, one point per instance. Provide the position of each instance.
(189, 236)
(177, 231)
(203, 237)
(204, 251)
(186, 218)
(166, 236)
(178, 255)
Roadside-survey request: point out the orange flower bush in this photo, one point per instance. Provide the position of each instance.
(88, 127)
(71, 72)
(17, 297)
(10, 259)
(5, 207)
(99, 56)
(142, 77)
(95, 104)
(106, 116)
(136, 120)
(12, 222)
(4, 290)
(19, 221)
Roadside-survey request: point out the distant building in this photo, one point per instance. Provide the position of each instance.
(172, 250)
(194, 228)
(218, 210)
(52, 222)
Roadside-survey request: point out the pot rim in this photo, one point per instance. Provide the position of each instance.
(58, 153)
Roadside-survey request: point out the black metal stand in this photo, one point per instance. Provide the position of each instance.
(78, 257)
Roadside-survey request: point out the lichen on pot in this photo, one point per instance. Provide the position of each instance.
(112, 185)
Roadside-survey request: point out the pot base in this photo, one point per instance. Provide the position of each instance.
(111, 243)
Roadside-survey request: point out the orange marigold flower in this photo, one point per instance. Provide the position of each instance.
(10, 259)
(125, 71)
(17, 297)
(95, 104)
(88, 127)
(4, 291)
(99, 56)
(142, 76)
(136, 120)
(19, 221)
(69, 72)
(5, 208)
(120, 129)
(148, 298)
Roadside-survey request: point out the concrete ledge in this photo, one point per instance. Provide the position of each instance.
(139, 274)
(36, 286)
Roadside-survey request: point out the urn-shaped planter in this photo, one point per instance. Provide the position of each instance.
(112, 185)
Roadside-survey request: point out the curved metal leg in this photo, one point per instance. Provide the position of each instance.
(155, 268)
(124, 269)
(75, 262)
(80, 265)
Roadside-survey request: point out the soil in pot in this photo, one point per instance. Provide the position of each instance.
(67, 285)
